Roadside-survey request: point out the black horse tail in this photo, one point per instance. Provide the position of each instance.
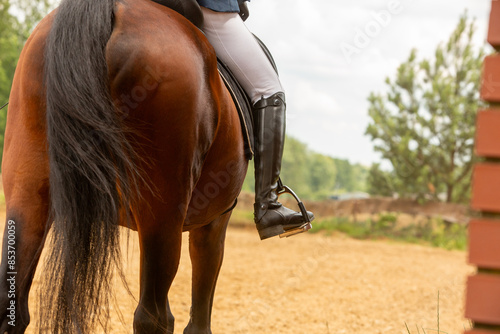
(93, 175)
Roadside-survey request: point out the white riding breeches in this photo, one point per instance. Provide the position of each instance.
(235, 45)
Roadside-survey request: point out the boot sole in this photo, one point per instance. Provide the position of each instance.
(271, 231)
(294, 231)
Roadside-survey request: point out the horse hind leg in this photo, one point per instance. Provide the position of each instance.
(26, 218)
(160, 244)
(206, 248)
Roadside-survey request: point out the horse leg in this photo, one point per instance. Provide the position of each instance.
(25, 174)
(160, 253)
(22, 244)
(206, 248)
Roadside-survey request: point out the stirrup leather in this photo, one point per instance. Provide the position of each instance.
(282, 189)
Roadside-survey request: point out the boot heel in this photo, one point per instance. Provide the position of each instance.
(271, 231)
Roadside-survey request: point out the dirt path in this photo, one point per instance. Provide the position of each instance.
(317, 284)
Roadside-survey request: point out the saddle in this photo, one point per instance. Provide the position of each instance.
(243, 105)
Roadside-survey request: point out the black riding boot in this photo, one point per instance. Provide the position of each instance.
(270, 216)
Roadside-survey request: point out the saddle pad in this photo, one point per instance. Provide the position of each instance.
(243, 106)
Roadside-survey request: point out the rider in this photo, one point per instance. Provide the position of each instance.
(235, 45)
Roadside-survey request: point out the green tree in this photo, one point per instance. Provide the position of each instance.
(425, 124)
(322, 173)
(295, 167)
(350, 177)
(345, 178)
(379, 182)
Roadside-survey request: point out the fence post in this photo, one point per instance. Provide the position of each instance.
(483, 289)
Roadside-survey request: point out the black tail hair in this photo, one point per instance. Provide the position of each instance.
(93, 175)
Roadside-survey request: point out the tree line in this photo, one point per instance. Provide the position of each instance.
(313, 175)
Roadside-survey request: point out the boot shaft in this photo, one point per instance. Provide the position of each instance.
(269, 126)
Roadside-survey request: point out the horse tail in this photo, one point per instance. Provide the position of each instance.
(93, 176)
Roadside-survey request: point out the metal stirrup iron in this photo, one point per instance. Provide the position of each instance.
(282, 189)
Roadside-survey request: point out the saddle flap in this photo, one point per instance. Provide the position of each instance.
(243, 105)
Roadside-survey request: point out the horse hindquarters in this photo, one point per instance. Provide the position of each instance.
(25, 178)
(160, 80)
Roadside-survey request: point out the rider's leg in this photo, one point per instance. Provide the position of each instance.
(237, 47)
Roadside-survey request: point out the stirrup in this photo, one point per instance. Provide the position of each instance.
(282, 189)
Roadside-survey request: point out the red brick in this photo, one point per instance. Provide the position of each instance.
(490, 86)
(484, 243)
(488, 133)
(483, 299)
(494, 29)
(486, 187)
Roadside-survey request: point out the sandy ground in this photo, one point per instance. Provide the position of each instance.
(318, 284)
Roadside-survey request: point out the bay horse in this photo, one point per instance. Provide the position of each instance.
(117, 116)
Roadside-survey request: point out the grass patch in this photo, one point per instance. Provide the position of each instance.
(433, 232)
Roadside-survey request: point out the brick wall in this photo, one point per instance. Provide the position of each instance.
(483, 288)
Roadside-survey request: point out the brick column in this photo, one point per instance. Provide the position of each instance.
(483, 289)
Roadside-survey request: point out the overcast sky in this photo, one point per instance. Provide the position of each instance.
(329, 68)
